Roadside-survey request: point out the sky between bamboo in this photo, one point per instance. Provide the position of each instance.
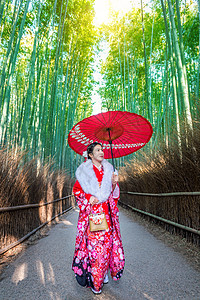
(103, 8)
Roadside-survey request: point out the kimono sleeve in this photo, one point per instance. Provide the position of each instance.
(116, 193)
(81, 197)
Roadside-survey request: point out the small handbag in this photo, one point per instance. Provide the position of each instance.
(97, 221)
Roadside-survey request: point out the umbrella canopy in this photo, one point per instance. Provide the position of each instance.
(127, 132)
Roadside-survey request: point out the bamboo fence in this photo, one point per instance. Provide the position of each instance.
(177, 212)
(17, 223)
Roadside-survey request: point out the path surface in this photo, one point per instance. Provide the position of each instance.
(152, 270)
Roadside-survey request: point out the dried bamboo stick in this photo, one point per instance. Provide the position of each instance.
(163, 194)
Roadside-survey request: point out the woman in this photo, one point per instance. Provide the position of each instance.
(96, 190)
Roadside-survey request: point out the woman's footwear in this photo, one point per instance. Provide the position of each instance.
(95, 292)
(106, 279)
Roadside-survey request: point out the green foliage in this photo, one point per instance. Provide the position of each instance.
(191, 32)
(138, 70)
(46, 79)
(47, 60)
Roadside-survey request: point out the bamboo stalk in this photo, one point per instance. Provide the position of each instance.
(180, 68)
(178, 194)
(19, 207)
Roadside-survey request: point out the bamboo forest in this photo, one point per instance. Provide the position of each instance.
(148, 63)
(62, 61)
(48, 52)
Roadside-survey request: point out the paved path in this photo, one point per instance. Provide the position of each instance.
(152, 270)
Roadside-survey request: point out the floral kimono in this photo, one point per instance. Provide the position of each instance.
(96, 252)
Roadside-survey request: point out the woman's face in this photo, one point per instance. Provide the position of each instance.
(97, 154)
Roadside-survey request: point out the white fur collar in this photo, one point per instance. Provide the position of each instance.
(89, 183)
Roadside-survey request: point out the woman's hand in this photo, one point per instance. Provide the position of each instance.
(114, 180)
(93, 200)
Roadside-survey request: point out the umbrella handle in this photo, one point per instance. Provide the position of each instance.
(110, 142)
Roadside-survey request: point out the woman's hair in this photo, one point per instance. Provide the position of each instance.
(90, 148)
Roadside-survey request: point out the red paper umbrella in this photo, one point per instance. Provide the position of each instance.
(120, 132)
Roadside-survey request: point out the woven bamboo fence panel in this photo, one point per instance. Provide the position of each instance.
(18, 221)
(182, 209)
